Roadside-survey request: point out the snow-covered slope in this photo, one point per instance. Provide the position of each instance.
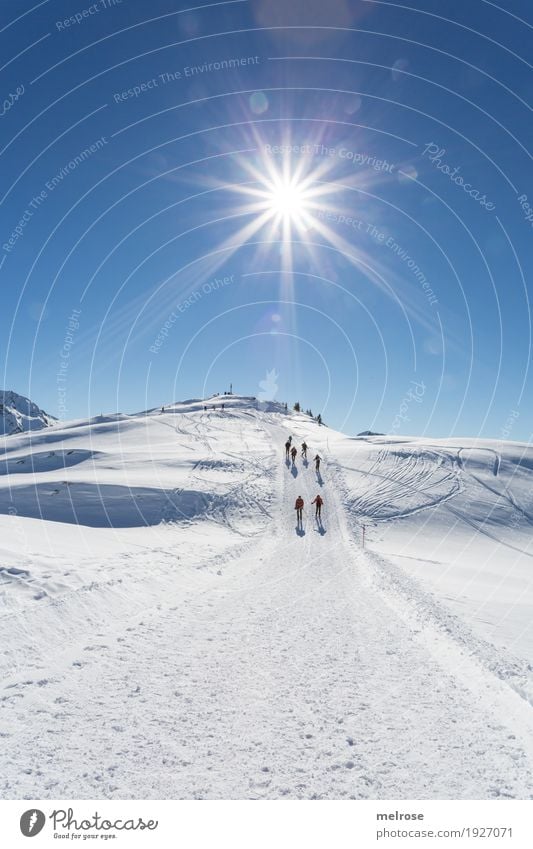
(155, 588)
(18, 414)
(457, 515)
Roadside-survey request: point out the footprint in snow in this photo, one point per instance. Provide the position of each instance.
(13, 570)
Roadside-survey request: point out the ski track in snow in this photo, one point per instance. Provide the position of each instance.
(297, 666)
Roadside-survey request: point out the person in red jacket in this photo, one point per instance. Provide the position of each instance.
(318, 510)
(299, 506)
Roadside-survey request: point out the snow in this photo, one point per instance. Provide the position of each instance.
(168, 632)
(458, 518)
(18, 413)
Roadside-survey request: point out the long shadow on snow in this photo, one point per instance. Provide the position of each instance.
(107, 506)
(44, 461)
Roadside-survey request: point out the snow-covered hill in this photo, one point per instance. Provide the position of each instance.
(154, 588)
(18, 414)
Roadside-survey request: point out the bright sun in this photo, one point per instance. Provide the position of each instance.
(287, 199)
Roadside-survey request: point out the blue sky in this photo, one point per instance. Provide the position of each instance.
(144, 256)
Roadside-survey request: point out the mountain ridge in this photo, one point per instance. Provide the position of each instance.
(19, 414)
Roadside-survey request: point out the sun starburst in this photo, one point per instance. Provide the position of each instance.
(288, 200)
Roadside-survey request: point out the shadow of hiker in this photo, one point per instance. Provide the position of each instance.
(300, 531)
(287, 462)
(294, 471)
(320, 527)
(319, 478)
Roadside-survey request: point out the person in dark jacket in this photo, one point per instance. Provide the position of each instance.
(299, 506)
(318, 501)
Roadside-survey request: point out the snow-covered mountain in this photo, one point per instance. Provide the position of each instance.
(18, 414)
(155, 588)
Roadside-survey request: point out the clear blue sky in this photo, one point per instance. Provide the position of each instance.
(395, 298)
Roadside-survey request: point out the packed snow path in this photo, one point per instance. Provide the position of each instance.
(289, 672)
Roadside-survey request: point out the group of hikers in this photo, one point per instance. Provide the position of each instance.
(299, 506)
(292, 452)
